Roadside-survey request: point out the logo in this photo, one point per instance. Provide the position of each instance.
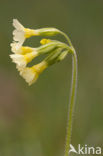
(85, 150)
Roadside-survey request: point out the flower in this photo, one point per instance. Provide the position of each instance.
(24, 54)
(30, 74)
(21, 33)
(17, 49)
(23, 60)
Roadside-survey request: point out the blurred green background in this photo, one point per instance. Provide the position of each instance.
(33, 119)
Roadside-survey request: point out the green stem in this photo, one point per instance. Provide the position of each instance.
(71, 104)
(72, 95)
(67, 38)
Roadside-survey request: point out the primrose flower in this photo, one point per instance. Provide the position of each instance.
(23, 60)
(24, 54)
(17, 49)
(21, 33)
(30, 74)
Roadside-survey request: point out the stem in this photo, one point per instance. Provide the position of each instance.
(67, 38)
(72, 102)
(72, 95)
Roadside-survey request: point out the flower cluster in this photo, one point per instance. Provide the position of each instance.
(22, 55)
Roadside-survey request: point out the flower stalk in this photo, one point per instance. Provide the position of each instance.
(72, 95)
(71, 103)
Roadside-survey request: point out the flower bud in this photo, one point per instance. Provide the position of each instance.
(45, 41)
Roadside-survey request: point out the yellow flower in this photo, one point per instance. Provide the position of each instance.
(18, 49)
(23, 60)
(24, 54)
(30, 74)
(21, 33)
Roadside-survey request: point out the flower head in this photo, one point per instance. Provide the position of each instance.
(55, 50)
(17, 49)
(30, 74)
(21, 33)
(23, 60)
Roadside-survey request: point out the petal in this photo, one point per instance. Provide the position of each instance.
(18, 59)
(29, 75)
(17, 24)
(19, 36)
(15, 47)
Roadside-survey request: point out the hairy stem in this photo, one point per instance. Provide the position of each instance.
(72, 102)
(72, 95)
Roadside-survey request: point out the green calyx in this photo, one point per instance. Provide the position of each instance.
(56, 56)
(46, 48)
(48, 31)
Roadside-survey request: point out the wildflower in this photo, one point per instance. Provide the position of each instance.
(56, 51)
(23, 55)
(30, 74)
(17, 49)
(23, 60)
(21, 33)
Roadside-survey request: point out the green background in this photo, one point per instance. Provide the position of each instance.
(33, 119)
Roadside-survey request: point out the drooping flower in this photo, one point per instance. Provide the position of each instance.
(24, 54)
(30, 74)
(23, 60)
(17, 49)
(21, 33)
